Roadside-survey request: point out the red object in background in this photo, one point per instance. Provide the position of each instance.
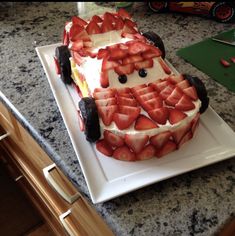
(219, 11)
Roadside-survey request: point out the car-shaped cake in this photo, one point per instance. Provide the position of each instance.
(132, 104)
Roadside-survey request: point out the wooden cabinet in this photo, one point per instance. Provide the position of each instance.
(65, 210)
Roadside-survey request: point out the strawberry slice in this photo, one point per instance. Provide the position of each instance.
(117, 54)
(134, 111)
(78, 21)
(93, 28)
(174, 97)
(148, 63)
(57, 66)
(107, 65)
(106, 102)
(136, 142)
(103, 147)
(125, 69)
(144, 123)
(191, 92)
(180, 132)
(104, 79)
(77, 32)
(183, 84)
(164, 66)
(124, 154)
(123, 13)
(124, 90)
(185, 104)
(106, 26)
(169, 147)
(148, 96)
(166, 92)
(137, 87)
(123, 121)
(143, 91)
(107, 113)
(151, 53)
(152, 104)
(130, 23)
(132, 59)
(160, 139)
(77, 58)
(174, 79)
(96, 19)
(109, 17)
(176, 116)
(159, 85)
(184, 139)
(160, 115)
(75, 45)
(147, 153)
(104, 94)
(137, 47)
(224, 62)
(119, 24)
(128, 35)
(195, 123)
(124, 101)
(113, 139)
(102, 53)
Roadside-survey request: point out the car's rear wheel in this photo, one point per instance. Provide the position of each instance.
(158, 6)
(156, 40)
(223, 12)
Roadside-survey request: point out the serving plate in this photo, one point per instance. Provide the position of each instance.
(108, 178)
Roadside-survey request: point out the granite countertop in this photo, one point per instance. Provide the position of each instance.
(195, 203)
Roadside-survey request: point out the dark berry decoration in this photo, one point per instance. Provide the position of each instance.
(122, 79)
(142, 73)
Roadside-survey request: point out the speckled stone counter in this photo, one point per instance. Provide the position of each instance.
(195, 203)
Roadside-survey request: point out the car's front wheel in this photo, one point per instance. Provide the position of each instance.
(158, 6)
(223, 12)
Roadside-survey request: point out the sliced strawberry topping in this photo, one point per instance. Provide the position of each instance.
(103, 147)
(134, 111)
(87, 44)
(77, 58)
(96, 19)
(124, 90)
(186, 138)
(124, 101)
(176, 116)
(180, 132)
(119, 24)
(77, 32)
(113, 90)
(107, 113)
(75, 45)
(109, 17)
(78, 21)
(175, 78)
(137, 47)
(151, 53)
(124, 70)
(102, 53)
(160, 115)
(174, 97)
(169, 147)
(159, 85)
(123, 121)
(124, 154)
(143, 91)
(191, 92)
(109, 93)
(148, 96)
(166, 92)
(148, 63)
(160, 139)
(106, 26)
(104, 79)
(185, 104)
(124, 14)
(117, 54)
(132, 59)
(128, 35)
(93, 28)
(113, 139)
(195, 122)
(183, 84)
(164, 66)
(136, 142)
(152, 104)
(107, 65)
(57, 66)
(137, 87)
(147, 153)
(106, 102)
(224, 62)
(144, 123)
(130, 23)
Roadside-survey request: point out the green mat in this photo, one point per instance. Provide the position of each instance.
(206, 56)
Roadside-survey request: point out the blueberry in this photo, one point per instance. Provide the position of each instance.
(142, 73)
(122, 79)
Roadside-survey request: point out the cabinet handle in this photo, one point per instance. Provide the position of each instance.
(18, 178)
(4, 136)
(56, 183)
(67, 228)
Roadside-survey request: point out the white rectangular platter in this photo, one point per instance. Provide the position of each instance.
(108, 178)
